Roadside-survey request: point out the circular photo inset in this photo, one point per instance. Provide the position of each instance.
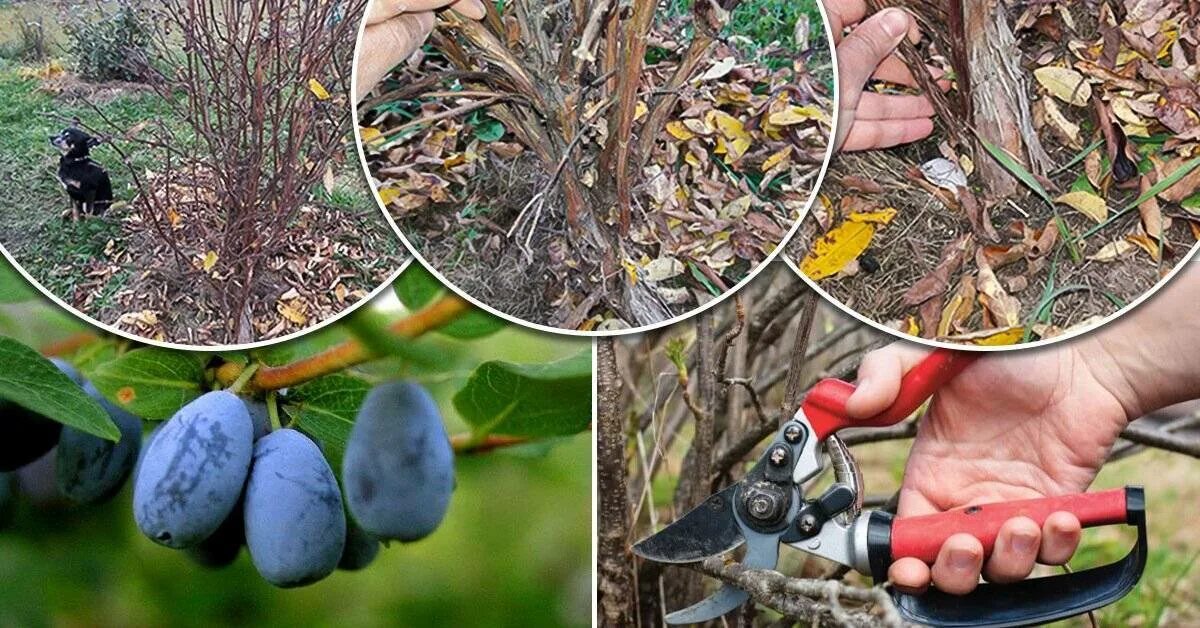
(1059, 187)
(595, 167)
(184, 172)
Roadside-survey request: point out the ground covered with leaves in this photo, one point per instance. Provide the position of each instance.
(118, 270)
(495, 162)
(1099, 205)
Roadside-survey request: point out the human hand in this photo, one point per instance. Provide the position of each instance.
(868, 120)
(1012, 426)
(393, 32)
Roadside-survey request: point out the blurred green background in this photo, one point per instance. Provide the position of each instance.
(514, 550)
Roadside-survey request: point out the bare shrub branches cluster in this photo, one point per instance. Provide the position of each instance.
(764, 350)
(259, 95)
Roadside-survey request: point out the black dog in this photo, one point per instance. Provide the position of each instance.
(85, 181)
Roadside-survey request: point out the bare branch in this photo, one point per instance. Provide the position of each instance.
(816, 601)
(615, 578)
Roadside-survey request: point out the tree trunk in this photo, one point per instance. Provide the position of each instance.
(998, 89)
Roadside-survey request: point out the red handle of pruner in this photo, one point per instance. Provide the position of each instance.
(922, 537)
(825, 405)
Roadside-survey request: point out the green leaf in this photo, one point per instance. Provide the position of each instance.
(489, 130)
(152, 383)
(535, 400)
(417, 287)
(325, 408)
(13, 287)
(34, 383)
(699, 275)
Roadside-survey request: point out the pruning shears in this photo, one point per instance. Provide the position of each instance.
(768, 508)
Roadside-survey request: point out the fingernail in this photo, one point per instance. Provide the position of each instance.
(962, 559)
(1024, 543)
(894, 22)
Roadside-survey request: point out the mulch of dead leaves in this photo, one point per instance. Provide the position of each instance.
(728, 177)
(897, 236)
(327, 261)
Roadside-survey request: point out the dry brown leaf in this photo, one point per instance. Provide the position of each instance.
(936, 282)
(1003, 309)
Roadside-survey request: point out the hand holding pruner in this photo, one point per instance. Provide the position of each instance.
(768, 508)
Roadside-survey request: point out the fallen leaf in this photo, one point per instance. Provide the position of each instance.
(210, 260)
(679, 131)
(782, 156)
(1086, 203)
(662, 269)
(837, 248)
(1004, 309)
(719, 69)
(797, 114)
(1064, 84)
(1111, 251)
(936, 282)
(318, 89)
(879, 217)
(958, 308)
(1145, 243)
(991, 337)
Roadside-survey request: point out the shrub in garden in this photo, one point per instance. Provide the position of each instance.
(110, 45)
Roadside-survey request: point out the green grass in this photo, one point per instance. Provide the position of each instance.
(762, 22)
(31, 199)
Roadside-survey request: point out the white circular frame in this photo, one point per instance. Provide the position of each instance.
(812, 197)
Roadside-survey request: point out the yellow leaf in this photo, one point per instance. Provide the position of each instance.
(1064, 84)
(369, 134)
(881, 217)
(679, 131)
(1085, 203)
(318, 89)
(387, 195)
(631, 269)
(777, 158)
(992, 337)
(173, 216)
(640, 110)
(797, 114)
(729, 126)
(839, 247)
(210, 260)
(911, 327)
(1111, 251)
(291, 312)
(1146, 243)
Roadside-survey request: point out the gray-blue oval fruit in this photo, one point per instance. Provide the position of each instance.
(295, 522)
(27, 434)
(194, 469)
(361, 548)
(91, 469)
(260, 416)
(399, 467)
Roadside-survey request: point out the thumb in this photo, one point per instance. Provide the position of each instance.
(385, 45)
(879, 378)
(861, 52)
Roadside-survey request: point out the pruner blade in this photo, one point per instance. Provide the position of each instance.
(762, 552)
(710, 529)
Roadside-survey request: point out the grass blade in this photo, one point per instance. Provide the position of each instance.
(1154, 190)
(1031, 182)
(1080, 157)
